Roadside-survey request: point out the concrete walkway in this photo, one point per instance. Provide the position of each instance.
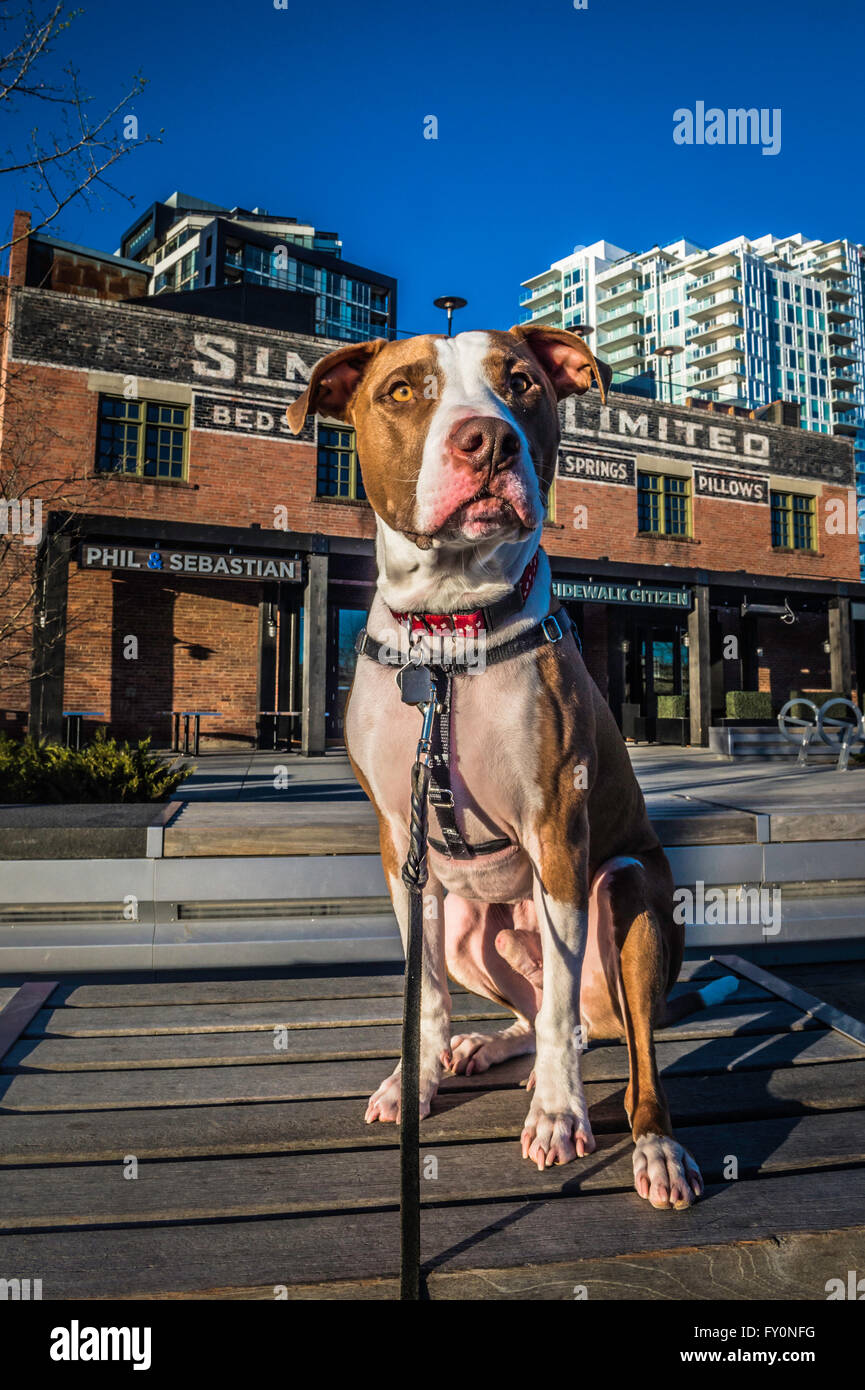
(673, 779)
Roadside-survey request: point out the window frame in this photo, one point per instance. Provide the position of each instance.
(784, 504)
(142, 424)
(663, 493)
(354, 472)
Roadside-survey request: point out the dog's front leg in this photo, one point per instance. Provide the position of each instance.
(435, 1020)
(557, 1127)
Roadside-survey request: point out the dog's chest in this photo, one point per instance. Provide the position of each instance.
(491, 754)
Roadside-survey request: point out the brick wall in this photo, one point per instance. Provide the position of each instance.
(727, 535)
(138, 646)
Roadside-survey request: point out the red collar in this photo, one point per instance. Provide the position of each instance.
(479, 619)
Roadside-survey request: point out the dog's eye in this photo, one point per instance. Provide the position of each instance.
(520, 383)
(401, 391)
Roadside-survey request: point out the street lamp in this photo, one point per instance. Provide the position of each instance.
(450, 302)
(668, 350)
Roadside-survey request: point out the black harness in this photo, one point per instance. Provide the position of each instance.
(552, 629)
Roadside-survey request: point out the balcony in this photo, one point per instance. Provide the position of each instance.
(837, 289)
(845, 427)
(838, 313)
(831, 266)
(716, 376)
(714, 305)
(843, 377)
(712, 328)
(716, 352)
(622, 287)
(730, 277)
(630, 309)
(844, 400)
(619, 337)
(713, 261)
(550, 293)
(840, 333)
(839, 356)
(628, 358)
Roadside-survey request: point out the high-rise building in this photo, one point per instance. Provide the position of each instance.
(750, 322)
(192, 244)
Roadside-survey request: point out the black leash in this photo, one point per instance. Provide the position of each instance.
(414, 876)
(429, 688)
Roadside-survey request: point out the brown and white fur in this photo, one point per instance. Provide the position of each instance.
(572, 925)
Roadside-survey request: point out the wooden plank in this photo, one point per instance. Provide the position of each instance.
(281, 1184)
(212, 1018)
(218, 1049)
(810, 1005)
(324, 987)
(705, 828)
(18, 1012)
(794, 1268)
(458, 1116)
(186, 1086)
(209, 842)
(718, 1021)
(222, 1255)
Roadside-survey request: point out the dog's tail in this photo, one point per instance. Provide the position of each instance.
(715, 992)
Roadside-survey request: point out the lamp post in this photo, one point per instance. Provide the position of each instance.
(450, 302)
(668, 350)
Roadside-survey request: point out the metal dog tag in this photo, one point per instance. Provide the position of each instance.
(415, 684)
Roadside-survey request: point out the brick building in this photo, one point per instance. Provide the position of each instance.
(194, 555)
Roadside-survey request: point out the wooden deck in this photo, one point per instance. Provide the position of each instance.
(242, 1103)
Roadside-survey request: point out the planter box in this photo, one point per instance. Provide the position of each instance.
(676, 731)
(746, 723)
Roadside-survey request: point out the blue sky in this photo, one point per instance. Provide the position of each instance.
(554, 127)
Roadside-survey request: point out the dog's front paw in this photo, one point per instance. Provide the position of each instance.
(384, 1104)
(665, 1173)
(556, 1135)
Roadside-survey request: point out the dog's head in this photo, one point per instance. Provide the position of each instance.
(456, 437)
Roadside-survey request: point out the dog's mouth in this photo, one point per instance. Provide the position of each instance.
(481, 515)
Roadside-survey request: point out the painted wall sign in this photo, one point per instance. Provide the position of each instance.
(621, 593)
(596, 466)
(236, 414)
(197, 564)
(649, 427)
(733, 487)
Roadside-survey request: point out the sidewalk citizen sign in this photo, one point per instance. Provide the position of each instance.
(202, 564)
(581, 592)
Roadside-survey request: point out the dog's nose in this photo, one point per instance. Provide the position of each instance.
(485, 442)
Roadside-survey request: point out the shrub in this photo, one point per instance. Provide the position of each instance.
(672, 706)
(818, 698)
(749, 704)
(40, 771)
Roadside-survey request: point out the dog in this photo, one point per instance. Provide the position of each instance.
(548, 889)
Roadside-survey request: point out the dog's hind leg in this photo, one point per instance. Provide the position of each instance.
(492, 950)
(648, 957)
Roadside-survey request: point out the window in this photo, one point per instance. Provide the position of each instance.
(143, 439)
(663, 504)
(338, 471)
(792, 521)
(550, 514)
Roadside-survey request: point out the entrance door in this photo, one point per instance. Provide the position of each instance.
(656, 663)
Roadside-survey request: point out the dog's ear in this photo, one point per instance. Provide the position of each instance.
(566, 359)
(333, 383)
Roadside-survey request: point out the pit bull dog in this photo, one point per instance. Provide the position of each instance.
(548, 889)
